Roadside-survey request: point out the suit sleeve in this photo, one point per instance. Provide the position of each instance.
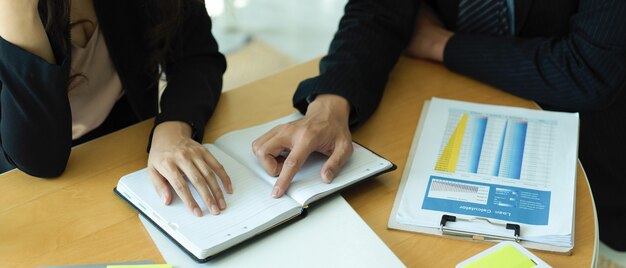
(194, 74)
(584, 70)
(371, 36)
(35, 117)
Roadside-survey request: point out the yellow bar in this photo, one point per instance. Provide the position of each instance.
(450, 155)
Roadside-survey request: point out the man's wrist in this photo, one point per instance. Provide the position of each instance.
(443, 36)
(331, 104)
(172, 129)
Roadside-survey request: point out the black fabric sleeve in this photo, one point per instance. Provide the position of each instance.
(371, 36)
(584, 70)
(194, 73)
(35, 117)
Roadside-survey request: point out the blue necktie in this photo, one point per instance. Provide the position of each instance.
(489, 17)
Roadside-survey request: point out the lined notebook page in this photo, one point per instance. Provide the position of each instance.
(250, 208)
(307, 185)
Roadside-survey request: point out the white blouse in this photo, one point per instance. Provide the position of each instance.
(95, 86)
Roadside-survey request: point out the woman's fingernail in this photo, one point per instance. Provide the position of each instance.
(328, 176)
(222, 204)
(162, 195)
(276, 192)
(198, 212)
(215, 210)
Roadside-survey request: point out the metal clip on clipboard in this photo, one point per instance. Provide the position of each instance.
(476, 236)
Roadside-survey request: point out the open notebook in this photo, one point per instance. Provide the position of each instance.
(251, 209)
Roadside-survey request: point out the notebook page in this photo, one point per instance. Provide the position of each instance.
(250, 208)
(307, 185)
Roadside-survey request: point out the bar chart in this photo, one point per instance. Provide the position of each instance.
(496, 145)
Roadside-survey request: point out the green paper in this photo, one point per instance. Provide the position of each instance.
(507, 256)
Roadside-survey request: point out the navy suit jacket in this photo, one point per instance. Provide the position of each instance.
(35, 119)
(567, 55)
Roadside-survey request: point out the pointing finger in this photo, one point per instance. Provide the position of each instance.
(292, 164)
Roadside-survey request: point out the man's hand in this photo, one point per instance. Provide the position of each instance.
(430, 37)
(324, 129)
(175, 159)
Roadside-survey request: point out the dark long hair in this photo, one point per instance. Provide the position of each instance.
(163, 15)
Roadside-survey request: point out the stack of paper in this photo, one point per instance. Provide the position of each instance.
(333, 235)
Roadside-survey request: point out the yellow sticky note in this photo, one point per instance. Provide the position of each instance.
(507, 256)
(141, 266)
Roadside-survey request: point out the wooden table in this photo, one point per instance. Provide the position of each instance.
(76, 218)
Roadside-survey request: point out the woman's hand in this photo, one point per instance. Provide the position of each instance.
(19, 5)
(21, 26)
(175, 159)
(324, 129)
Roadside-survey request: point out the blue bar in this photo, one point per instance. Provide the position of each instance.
(515, 140)
(498, 158)
(476, 146)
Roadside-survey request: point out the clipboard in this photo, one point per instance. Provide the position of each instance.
(447, 231)
(444, 227)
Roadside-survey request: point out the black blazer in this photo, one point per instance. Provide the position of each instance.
(568, 55)
(35, 119)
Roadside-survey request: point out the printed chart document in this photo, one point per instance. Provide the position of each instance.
(489, 166)
(251, 209)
